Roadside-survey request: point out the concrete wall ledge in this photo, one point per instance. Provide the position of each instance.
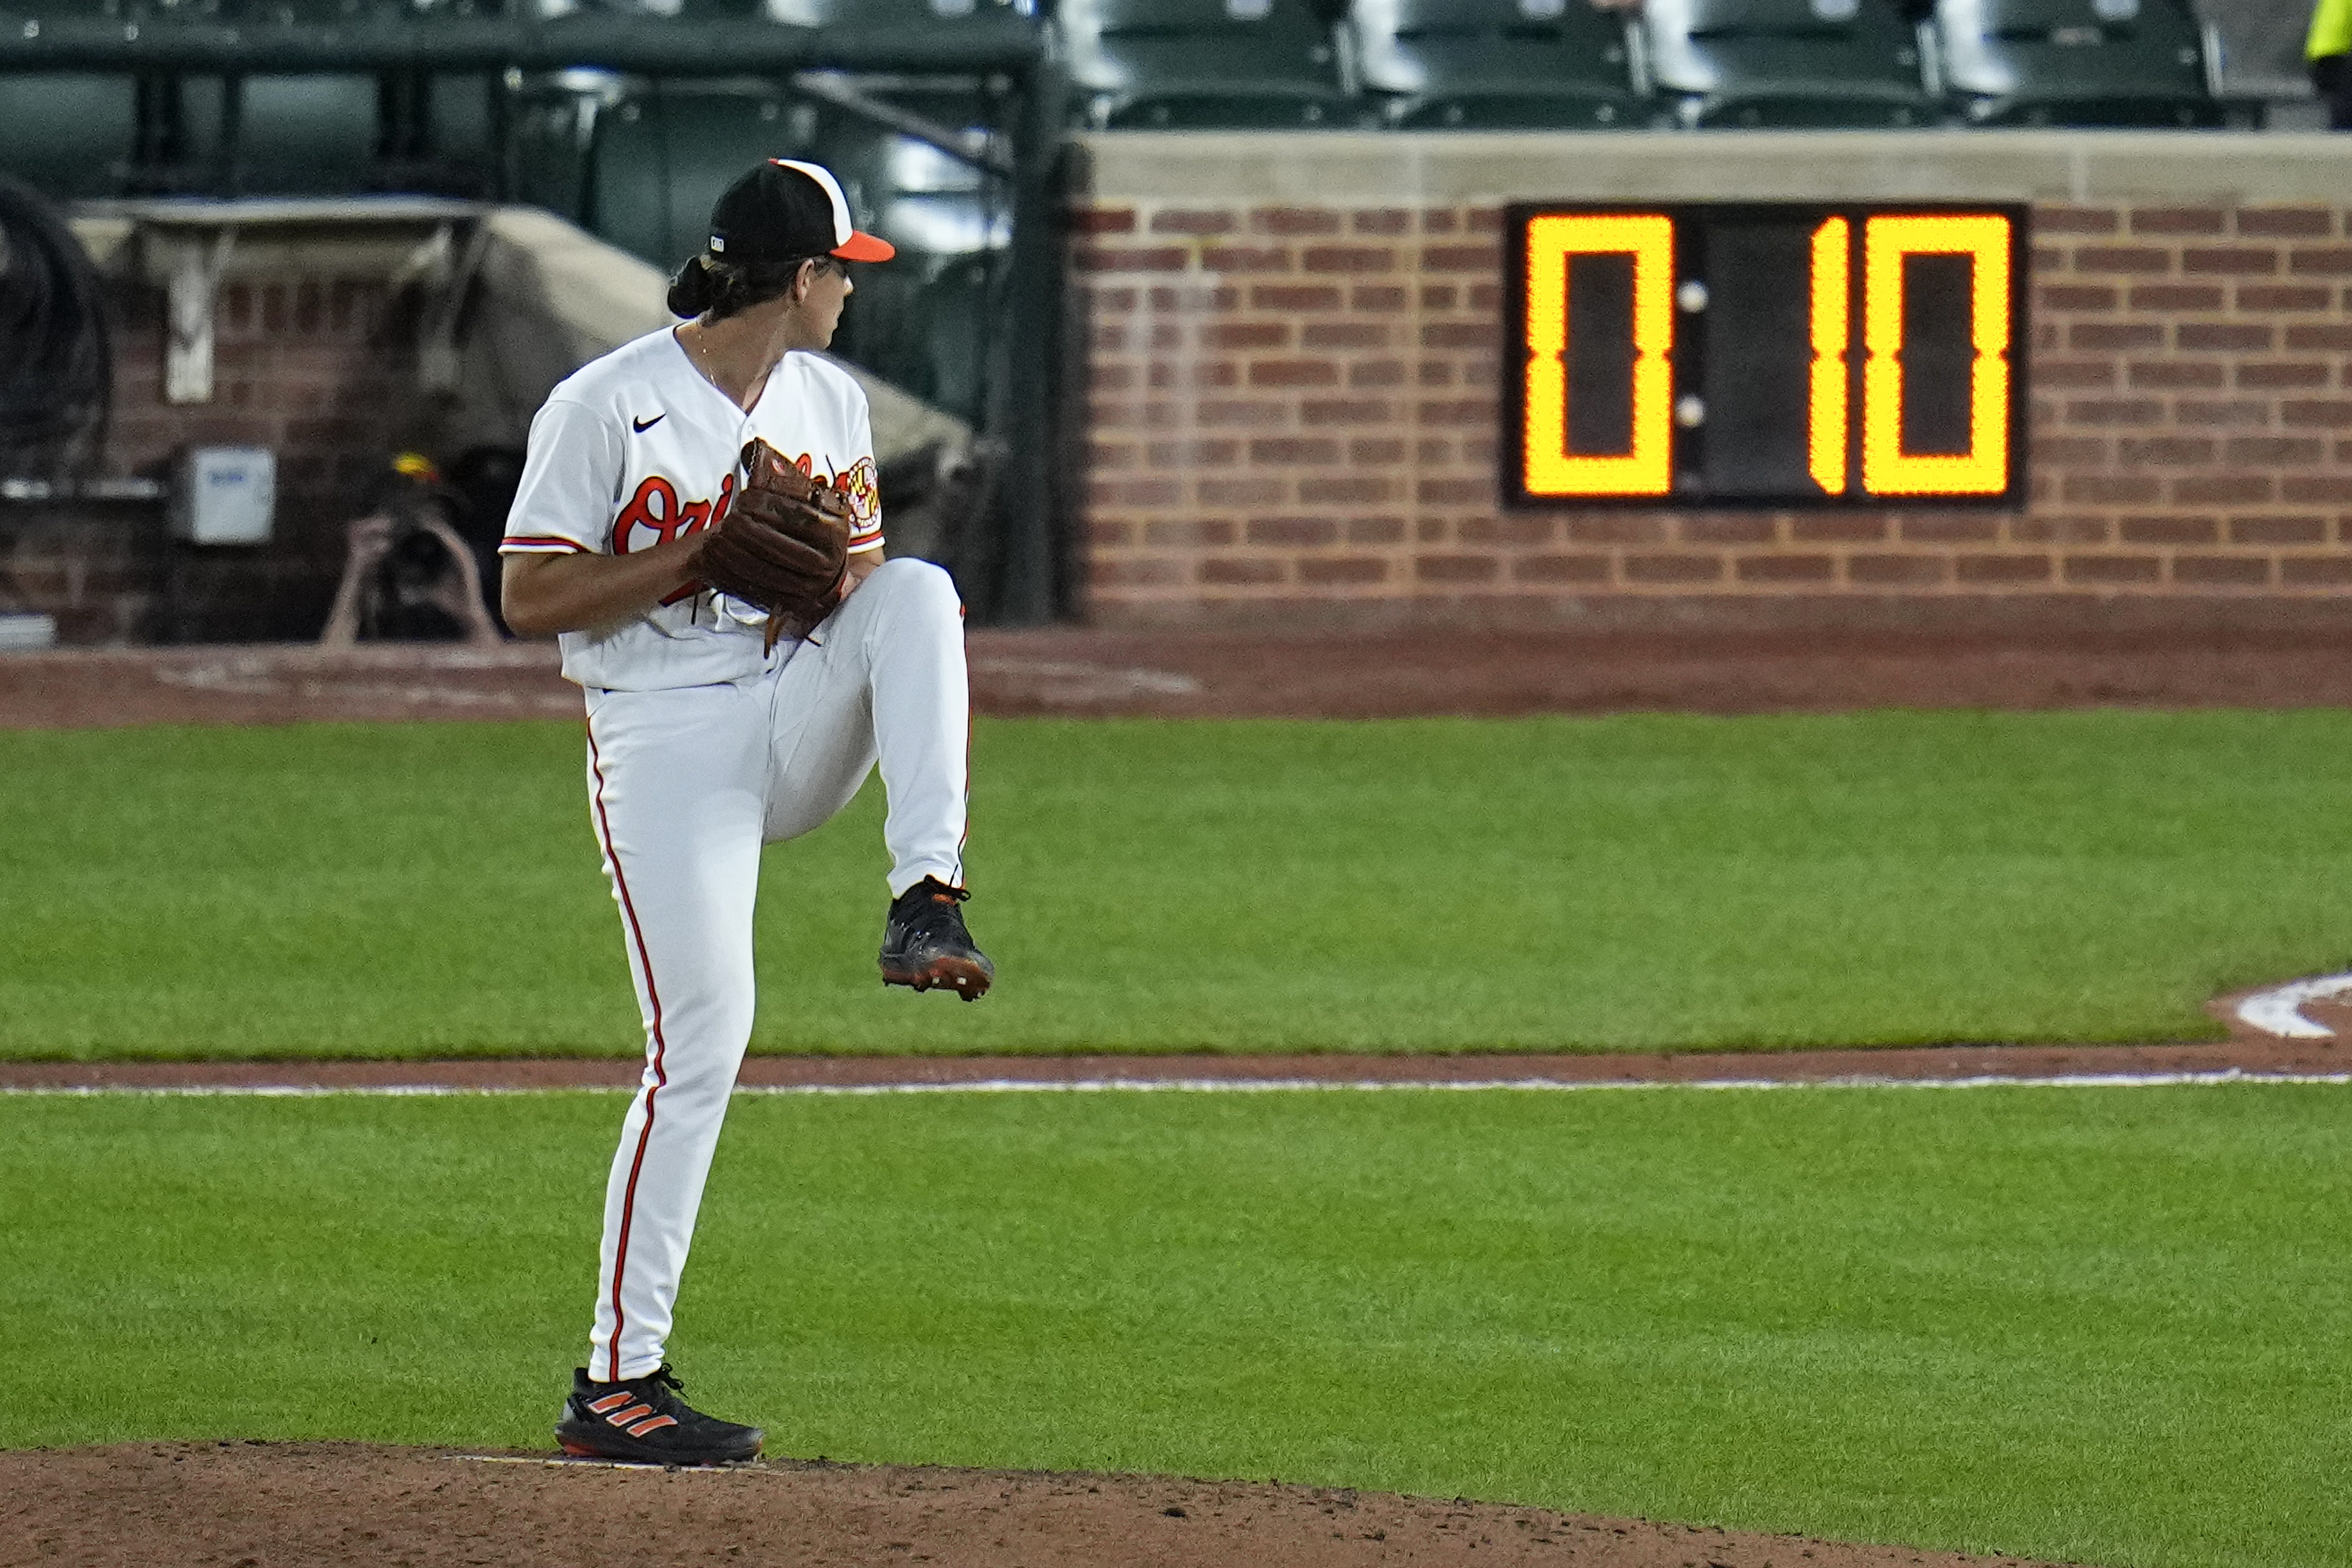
(1410, 169)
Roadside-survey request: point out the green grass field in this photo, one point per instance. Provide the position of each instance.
(2094, 1325)
(1648, 881)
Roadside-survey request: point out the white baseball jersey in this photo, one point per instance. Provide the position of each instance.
(638, 447)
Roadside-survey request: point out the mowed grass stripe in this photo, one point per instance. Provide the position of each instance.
(2097, 1326)
(1632, 882)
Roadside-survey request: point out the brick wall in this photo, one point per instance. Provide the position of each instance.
(1292, 412)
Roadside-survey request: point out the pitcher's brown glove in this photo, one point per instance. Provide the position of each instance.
(783, 545)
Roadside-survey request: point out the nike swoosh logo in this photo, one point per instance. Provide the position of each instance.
(642, 425)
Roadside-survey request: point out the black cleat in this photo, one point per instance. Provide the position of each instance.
(924, 943)
(642, 1420)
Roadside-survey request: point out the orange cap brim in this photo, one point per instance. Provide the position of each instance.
(863, 246)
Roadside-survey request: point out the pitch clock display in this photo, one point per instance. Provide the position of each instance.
(1771, 355)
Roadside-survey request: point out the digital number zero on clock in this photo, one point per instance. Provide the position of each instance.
(1751, 354)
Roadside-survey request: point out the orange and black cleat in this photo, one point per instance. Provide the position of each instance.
(642, 1420)
(926, 946)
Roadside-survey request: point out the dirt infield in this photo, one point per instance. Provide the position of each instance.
(1081, 673)
(252, 1505)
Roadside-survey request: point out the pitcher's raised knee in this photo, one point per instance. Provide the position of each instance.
(916, 586)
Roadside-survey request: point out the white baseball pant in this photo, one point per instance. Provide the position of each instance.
(685, 785)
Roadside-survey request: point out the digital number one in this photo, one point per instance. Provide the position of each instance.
(1983, 468)
(1832, 312)
(1549, 467)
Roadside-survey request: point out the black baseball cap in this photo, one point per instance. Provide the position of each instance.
(786, 208)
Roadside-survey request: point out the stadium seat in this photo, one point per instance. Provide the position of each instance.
(1502, 63)
(1203, 63)
(69, 134)
(2077, 62)
(662, 155)
(1787, 62)
(305, 134)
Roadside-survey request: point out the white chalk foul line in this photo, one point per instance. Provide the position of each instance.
(2279, 1010)
(1234, 1086)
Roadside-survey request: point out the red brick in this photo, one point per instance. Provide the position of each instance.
(1897, 571)
(1954, 530)
(2047, 260)
(1102, 220)
(1293, 373)
(1483, 220)
(1376, 373)
(1455, 568)
(1292, 533)
(2238, 260)
(2178, 221)
(1375, 530)
(1193, 298)
(2070, 451)
(2111, 335)
(1459, 335)
(2075, 296)
(1348, 258)
(1244, 258)
(1133, 492)
(2304, 414)
(1131, 258)
(1988, 569)
(1516, 530)
(1242, 411)
(1190, 533)
(2286, 223)
(1674, 567)
(1784, 567)
(1461, 410)
(2331, 337)
(2221, 570)
(2204, 411)
(1381, 221)
(1134, 571)
(1455, 491)
(1111, 453)
(2177, 297)
(1438, 296)
(1376, 297)
(2121, 258)
(1109, 536)
(2320, 261)
(1561, 568)
(2162, 530)
(2211, 490)
(2067, 220)
(1344, 335)
(1379, 452)
(2278, 530)
(1293, 449)
(1614, 529)
(1196, 374)
(2254, 297)
(1354, 489)
(2283, 373)
(1432, 451)
(1837, 527)
(2074, 374)
(2164, 451)
(2113, 568)
(1346, 411)
(2176, 373)
(1726, 528)
(1244, 335)
(1190, 221)
(1352, 570)
(1251, 492)
(1461, 257)
(2273, 449)
(2115, 410)
(2312, 490)
(2215, 335)
(2316, 571)
(1239, 571)
(1435, 374)
(1294, 296)
(1293, 221)
(2110, 489)
(1439, 220)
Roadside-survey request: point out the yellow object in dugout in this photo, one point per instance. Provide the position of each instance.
(2331, 30)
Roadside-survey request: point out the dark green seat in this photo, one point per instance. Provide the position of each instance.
(1203, 64)
(2077, 62)
(1787, 63)
(69, 135)
(1495, 64)
(662, 155)
(309, 134)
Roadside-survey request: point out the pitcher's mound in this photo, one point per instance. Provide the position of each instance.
(264, 1505)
